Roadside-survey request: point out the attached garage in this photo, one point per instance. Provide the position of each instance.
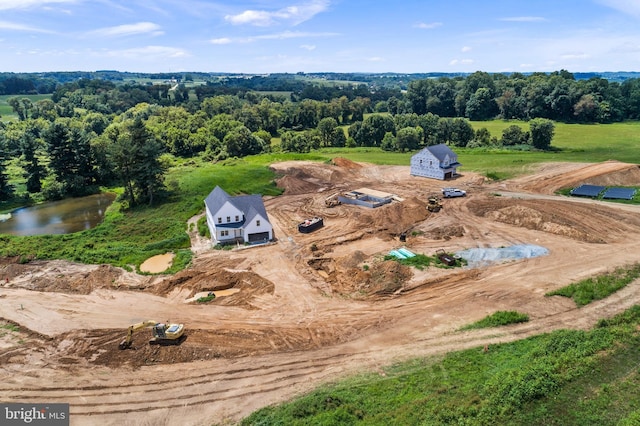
(260, 237)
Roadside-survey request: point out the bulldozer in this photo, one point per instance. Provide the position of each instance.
(433, 204)
(163, 334)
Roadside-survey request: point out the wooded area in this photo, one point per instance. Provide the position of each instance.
(110, 128)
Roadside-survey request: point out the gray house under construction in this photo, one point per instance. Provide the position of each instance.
(437, 162)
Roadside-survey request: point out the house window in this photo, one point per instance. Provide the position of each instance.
(257, 223)
(237, 218)
(224, 233)
(228, 219)
(219, 220)
(420, 161)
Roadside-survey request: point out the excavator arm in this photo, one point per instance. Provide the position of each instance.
(126, 342)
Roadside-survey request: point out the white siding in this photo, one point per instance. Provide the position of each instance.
(425, 164)
(252, 227)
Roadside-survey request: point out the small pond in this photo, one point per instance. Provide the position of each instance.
(57, 217)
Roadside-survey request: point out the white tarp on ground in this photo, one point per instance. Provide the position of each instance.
(484, 256)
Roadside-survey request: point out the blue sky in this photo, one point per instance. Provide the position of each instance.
(263, 36)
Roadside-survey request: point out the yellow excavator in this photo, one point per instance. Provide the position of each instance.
(163, 334)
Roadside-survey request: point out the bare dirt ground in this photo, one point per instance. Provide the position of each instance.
(311, 308)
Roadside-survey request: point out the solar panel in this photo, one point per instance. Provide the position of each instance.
(620, 193)
(587, 190)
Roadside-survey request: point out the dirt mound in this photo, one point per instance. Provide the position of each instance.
(60, 276)
(218, 275)
(397, 217)
(346, 163)
(590, 223)
(547, 178)
(352, 276)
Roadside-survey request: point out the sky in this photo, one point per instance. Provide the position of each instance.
(275, 36)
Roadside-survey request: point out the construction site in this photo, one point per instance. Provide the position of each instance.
(312, 308)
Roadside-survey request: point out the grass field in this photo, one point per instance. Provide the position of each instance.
(6, 112)
(572, 143)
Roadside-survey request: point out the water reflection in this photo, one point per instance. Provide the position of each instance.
(58, 217)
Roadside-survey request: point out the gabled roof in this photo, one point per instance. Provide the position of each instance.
(250, 205)
(440, 151)
(216, 199)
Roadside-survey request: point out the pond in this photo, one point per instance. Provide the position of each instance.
(57, 217)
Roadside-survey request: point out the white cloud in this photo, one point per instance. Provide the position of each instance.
(293, 15)
(429, 26)
(629, 7)
(129, 30)
(290, 34)
(149, 52)
(575, 56)
(28, 4)
(461, 62)
(466, 49)
(523, 19)
(375, 59)
(222, 40)
(12, 26)
(308, 47)
(276, 36)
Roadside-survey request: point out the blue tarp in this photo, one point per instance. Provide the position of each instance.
(620, 193)
(587, 190)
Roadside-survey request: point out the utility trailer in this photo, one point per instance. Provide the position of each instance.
(310, 225)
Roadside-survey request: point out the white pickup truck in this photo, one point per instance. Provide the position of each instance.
(453, 192)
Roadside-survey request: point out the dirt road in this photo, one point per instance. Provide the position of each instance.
(312, 307)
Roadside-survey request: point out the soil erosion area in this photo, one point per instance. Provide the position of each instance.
(311, 308)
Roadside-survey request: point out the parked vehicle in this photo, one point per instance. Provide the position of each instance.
(453, 192)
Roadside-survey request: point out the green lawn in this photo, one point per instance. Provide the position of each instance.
(571, 143)
(6, 112)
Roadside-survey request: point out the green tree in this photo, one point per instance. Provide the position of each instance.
(409, 138)
(34, 171)
(294, 142)
(241, 142)
(514, 135)
(482, 137)
(388, 142)
(481, 105)
(121, 154)
(147, 170)
(542, 131)
(62, 157)
(461, 132)
(326, 128)
(6, 189)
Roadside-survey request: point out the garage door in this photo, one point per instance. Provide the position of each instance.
(259, 237)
